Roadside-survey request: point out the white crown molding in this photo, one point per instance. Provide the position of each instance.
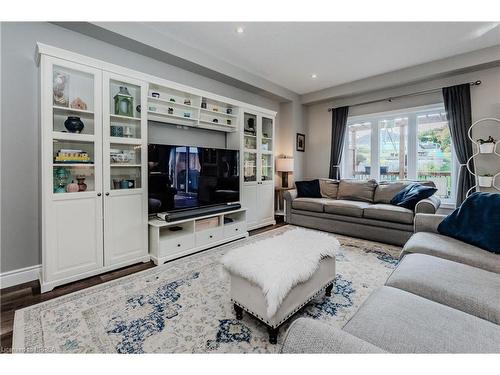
(19, 276)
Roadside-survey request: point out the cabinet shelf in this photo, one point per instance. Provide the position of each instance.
(126, 118)
(79, 165)
(71, 111)
(215, 126)
(72, 136)
(125, 141)
(173, 104)
(217, 113)
(167, 115)
(126, 165)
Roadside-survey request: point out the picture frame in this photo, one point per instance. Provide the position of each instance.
(301, 142)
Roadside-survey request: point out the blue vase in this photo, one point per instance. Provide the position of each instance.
(74, 124)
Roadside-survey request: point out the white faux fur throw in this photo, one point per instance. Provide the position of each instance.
(279, 263)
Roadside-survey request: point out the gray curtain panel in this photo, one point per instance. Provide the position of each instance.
(339, 126)
(458, 109)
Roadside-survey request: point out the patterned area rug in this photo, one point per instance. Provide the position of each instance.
(184, 307)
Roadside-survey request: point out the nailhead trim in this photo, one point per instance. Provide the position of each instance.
(264, 320)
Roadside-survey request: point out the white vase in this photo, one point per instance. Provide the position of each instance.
(485, 181)
(487, 148)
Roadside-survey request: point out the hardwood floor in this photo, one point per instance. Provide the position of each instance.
(27, 294)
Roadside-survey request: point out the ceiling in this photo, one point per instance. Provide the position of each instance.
(289, 53)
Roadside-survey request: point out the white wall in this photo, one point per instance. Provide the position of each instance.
(485, 103)
(20, 124)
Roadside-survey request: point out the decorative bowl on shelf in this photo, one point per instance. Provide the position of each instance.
(486, 148)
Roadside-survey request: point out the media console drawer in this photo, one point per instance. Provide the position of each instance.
(233, 229)
(208, 236)
(176, 245)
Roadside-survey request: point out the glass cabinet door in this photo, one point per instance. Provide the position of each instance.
(123, 128)
(250, 167)
(266, 135)
(73, 100)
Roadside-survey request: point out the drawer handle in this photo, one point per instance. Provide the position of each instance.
(236, 229)
(211, 236)
(178, 245)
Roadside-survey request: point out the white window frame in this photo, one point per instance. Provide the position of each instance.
(412, 114)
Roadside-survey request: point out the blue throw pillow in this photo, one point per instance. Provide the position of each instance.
(411, 195)
(476, 221)
(308, 189)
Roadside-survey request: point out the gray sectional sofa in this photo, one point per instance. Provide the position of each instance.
(444, 297)
(358, 208)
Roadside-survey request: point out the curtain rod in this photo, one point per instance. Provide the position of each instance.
(391, 98)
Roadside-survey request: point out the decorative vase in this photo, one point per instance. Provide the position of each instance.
(204, 105)
(229, 111)
(72, 187)
(82, 186)
(124, 103)
(74, 124)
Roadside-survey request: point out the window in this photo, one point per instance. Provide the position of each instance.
(409, 144)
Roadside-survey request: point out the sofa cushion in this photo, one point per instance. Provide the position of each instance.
(309, 204)
(469, 289)
(412, 194)
(357, 190)
(345, 207)
(388, 212)
(402, 322)
(308, 189)
(386, 190)
(474, 222)
(329, 188)
(452, 249)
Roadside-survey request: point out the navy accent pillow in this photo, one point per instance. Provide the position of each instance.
(411, 195)
(476, 221)
(308, 189)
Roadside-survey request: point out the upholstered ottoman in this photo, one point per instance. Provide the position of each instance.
(275, 296)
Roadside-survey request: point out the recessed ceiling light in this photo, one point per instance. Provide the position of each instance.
(240, 30)
(314, 76)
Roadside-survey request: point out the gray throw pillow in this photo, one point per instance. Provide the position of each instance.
(357, 190)
(329, 188)
(386, 190)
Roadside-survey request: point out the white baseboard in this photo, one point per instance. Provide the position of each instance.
(19, 276)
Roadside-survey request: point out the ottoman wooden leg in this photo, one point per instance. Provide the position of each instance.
(273, 335)
(239, 312)
(328, 290)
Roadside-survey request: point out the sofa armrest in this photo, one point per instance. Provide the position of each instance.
(311, 336)
(289, 196)
(428, 206)
(427, 222)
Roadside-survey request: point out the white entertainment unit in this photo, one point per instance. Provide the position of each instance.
(171, 240)
(94, 184)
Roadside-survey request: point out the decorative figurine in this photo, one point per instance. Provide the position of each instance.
(229, 111)
(155, 95)
(124, 103)
(82, 186)
(78, 104)
(59, 90)
(172, 100)
(204, 105)
(215, 120)
(215, 109)
(74, 124)
(187, 101)
(170, 111)
(138, 108)
(228, 121)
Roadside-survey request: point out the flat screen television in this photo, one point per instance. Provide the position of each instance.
(186, 177)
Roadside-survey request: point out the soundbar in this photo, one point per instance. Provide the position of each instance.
(195, 212)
